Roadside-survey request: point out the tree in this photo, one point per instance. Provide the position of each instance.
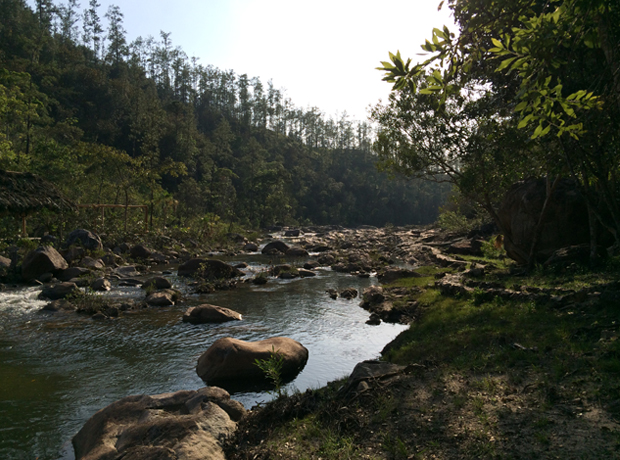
(92, 28)
(117, 47)
(68, 20)
(552, 68)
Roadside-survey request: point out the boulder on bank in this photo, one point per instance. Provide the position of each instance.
(275, 247)
(191, 425)
(88, 240)
(566, 222)
(210, 269)
(233, 361)
(210, 314)
(44, 259)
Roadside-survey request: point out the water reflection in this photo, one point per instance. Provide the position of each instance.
(58, 370)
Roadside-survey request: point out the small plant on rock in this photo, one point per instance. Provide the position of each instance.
(272, 368)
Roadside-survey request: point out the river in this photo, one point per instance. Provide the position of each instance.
(57, 370)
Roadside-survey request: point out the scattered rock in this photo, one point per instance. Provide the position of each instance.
(210, 314)
(312, 265)
(305, 273)
(297, 252)
(100, 285)
(250, 247)
(139, 251)
(93, 264)
(59, 291)
(349, 293)
(127, 271)
(59, 305)
(392, 274)
(209, 269)
(158, 282)
(44, 259)
(163, 298)
(72, 272)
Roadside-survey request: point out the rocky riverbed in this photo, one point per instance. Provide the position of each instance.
(390, 254)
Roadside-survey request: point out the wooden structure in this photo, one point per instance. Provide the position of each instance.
(23, 193)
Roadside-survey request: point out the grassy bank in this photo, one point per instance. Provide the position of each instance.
(488, 376)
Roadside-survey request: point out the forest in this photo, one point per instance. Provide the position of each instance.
(109, 121)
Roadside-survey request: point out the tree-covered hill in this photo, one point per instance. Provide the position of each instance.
(109, 121)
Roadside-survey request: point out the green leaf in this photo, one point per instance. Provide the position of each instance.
(520, 106)
(497, 43)
(505, 63)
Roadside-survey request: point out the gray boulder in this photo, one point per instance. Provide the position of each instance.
(210, 314)
(275, 247)
(84, 238)
(44, 259)
(188, 425)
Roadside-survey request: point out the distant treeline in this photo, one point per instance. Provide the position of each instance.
(109, 121)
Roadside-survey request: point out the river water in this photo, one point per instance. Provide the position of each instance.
(57, 370)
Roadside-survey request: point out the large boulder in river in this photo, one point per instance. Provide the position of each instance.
(210, 314)
(210, 269)
(565, 223)
(88, 240)
(233, 361)
(44, 259)
(275, 247)
(189, 425)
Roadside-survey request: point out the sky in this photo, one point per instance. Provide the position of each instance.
(322, 52)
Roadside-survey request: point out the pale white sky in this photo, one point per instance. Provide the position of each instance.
(323, 52)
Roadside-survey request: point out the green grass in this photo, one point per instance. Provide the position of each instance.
(472, 333)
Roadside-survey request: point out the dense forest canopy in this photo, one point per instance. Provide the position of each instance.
(110, 121)
(526, 88)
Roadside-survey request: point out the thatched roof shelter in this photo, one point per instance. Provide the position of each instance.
(22, 193)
